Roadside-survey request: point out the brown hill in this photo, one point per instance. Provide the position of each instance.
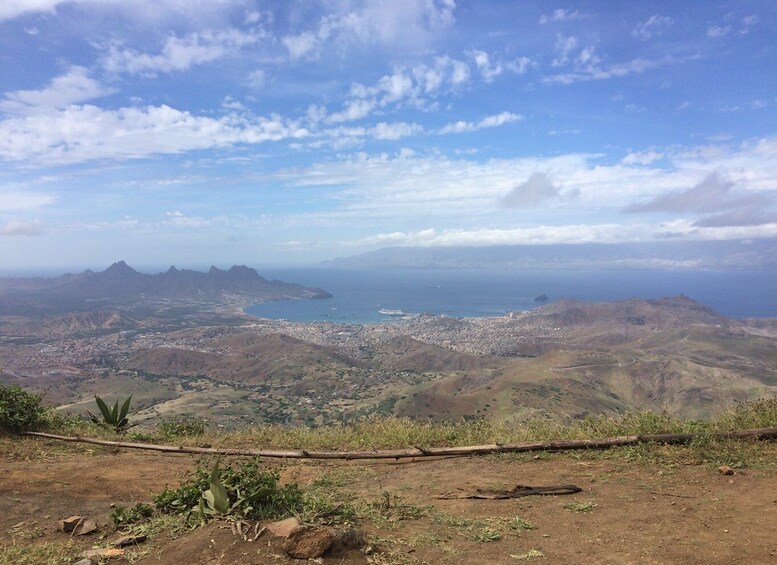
(91, 321)
(245, 358)
(404, 353)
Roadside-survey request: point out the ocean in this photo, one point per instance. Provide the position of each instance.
(370, 296)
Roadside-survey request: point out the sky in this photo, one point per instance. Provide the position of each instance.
(198, 132)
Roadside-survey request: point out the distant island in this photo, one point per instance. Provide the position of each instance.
(757, 254)
(122, 286)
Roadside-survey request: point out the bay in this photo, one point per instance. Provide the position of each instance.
(360, 295)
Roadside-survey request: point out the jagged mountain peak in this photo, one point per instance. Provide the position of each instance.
(120, 268)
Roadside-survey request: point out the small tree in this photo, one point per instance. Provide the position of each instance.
(20, 411)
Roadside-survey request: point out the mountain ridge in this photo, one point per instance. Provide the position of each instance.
(120, 284)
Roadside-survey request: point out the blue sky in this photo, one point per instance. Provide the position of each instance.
(192, 132)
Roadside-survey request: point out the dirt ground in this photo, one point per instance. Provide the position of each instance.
(626, 513)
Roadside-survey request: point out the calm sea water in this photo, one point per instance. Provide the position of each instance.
(360, 295)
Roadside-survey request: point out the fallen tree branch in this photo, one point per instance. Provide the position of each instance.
(517, 492)
(560, 445)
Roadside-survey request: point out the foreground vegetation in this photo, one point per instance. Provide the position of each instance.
(250, 489)
(22, 411)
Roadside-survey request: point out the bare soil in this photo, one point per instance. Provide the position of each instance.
(628, 512)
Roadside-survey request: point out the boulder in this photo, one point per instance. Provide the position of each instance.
(308, 542)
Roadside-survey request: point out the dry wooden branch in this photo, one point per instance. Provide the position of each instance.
(560, 445)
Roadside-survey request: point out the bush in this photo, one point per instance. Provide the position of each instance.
(20, 411)
(183, 426)
(253, 492)
(123, 516)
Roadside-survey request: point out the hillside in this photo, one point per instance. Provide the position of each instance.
(122, 285)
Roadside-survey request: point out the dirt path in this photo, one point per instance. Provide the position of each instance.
(627, 513)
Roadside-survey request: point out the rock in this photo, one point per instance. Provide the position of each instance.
(77, 525)
(128, 540)
(85, 527)
(348, 538)
(85, 561)
(67, 525)
(283, 528)
(725, 470)
(308, 542)
(102, 553)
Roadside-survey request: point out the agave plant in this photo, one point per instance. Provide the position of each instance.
(215, 500)
(115, 418)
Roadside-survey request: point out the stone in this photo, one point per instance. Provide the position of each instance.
(102, 553)
(85, 561)
(308, 542)
(725, 470)
(128, 540)
(67, 525)
(85, 527)
(77, 526)
(283, 528)
(348, 538)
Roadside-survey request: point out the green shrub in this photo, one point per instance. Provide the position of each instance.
(183, 426)
(20, 411)
(253, 492)
(123, 516)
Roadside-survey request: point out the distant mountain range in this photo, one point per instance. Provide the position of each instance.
(120, 284)
(760, 254)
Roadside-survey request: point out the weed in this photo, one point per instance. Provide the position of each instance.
(391, 509)
(123, 516)
(183, 425)
(580, 506)
(486, 535)
(531, 554)
(519, 524)
(47, 553)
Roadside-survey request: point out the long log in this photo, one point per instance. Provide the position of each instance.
(559, 445)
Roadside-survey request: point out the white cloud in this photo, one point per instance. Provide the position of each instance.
(564, 234)
(375, 191)
(642, 157)
(395, 131)
(148, 12)
(179, 53)
(10, 9)
(653, 26)
(178, 219)
(714, 32)
(84, 133)
(488, 69)
(17, 228)
(400, 24)
(488, 122)
(416, 86)
(561, 15)
(564, 47)
(538, 188)
(73, 87)
(591, 70)
(256, 79)
(15, 199)
(230, 103)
